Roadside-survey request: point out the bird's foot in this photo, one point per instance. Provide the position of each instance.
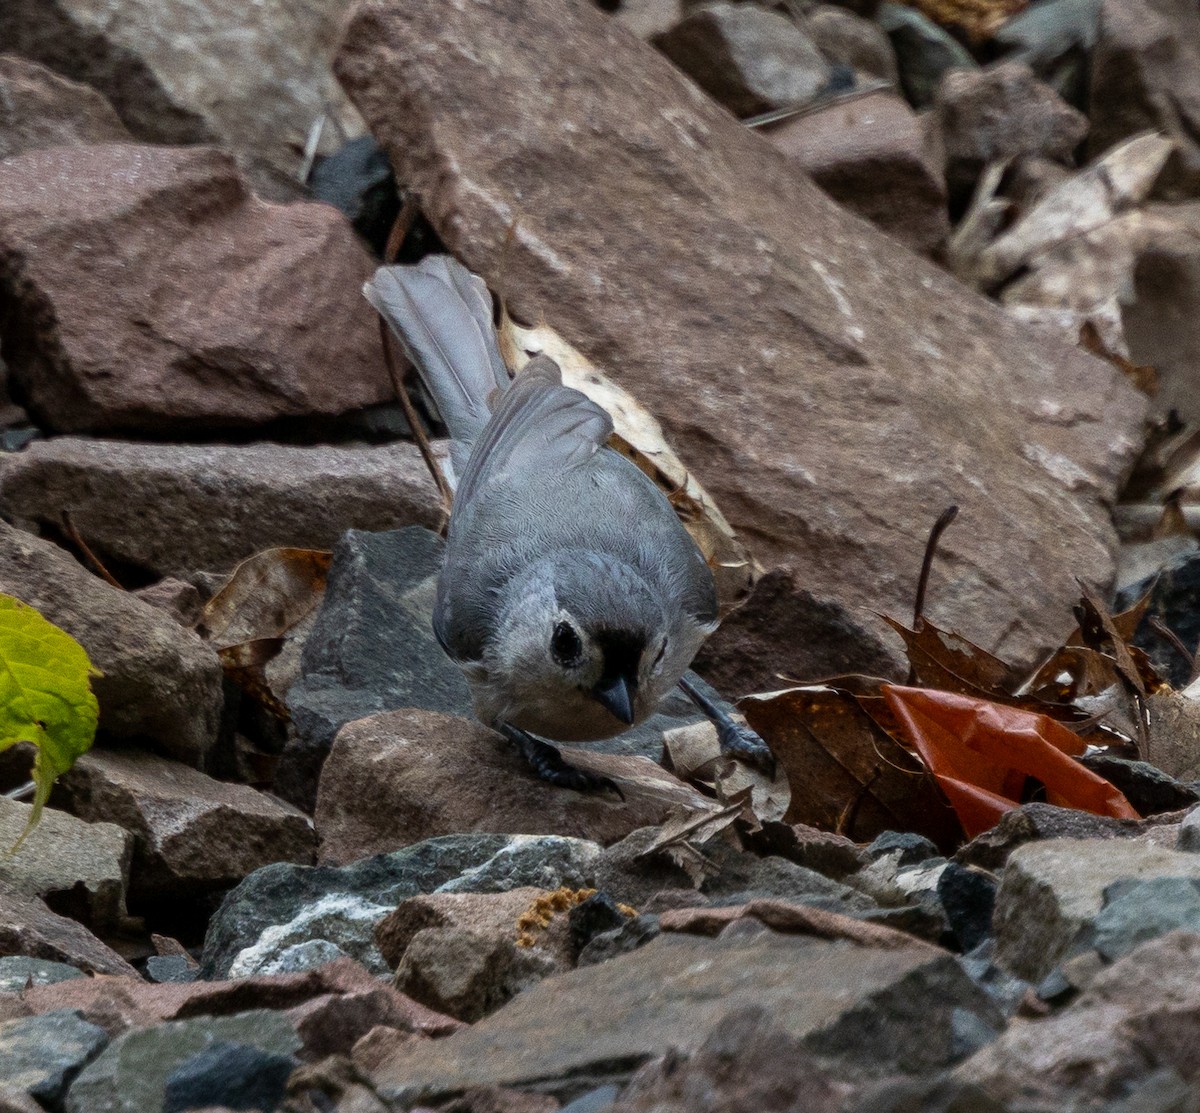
(550, 766)
(736, 739)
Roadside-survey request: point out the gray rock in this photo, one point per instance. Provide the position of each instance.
(173, 969)
(18, 971)
(82, 867)
(851, 1006)
(193, 835)
(1054, 38)
(913, 848)
(1189, 832)
(213, 505)
(629, 936)
(39, 108)
(257, 95)
(746, 57)
(539, 861)
(852, 41)
(159, 683)
(277, 894)
(925, 52)
(234, 1075)
(372, 649)
(40, 1055)
(1135, 912)
(743, 877)
(344, 921)
(131, 1074)
(302, 956)
(1145, 786)
(1051, 892)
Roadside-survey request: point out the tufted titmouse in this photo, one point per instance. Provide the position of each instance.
(571, 596)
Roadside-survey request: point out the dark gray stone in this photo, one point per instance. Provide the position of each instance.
(372, 649)
(40, 1055)
(1175, 602)
(925, 52)
(1054, 39)
(235, 1075)
(18, 971)
(628, 937)
(279, 893)
(131, 1074)
(1147, 788)
(913, 848)
(357, 179)
(171, 968)
(968, 898)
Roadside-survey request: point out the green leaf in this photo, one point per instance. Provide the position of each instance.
(45, 696)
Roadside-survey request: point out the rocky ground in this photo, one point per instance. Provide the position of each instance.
(863, 261)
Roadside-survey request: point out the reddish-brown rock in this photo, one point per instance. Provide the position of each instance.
(832, 392)
(399, 777)
(39, 108)
(145, 289)
(192, 834)
(28, 927)
(869, 154)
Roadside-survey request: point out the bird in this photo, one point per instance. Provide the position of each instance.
(570, 594)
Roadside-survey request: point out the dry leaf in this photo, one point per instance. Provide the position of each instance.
(1144, 377)
(978, 19)
(640, 437)
(266, 595)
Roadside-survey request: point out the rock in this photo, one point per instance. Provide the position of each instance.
(38, 108)
(849, 40)
(1000, 113)
(1189, 832)
(158, 683)
(181, 600)
(357, 179)
(830, 374)
(1038, 822)
(1135, 912)
(925, 52)
(746, 57)
(41, 1055)
(236, 1075)
(1159, 318)
(628, 937)
(257, 95)
(193, 836)
(911, 849)
(1146, 787)
(1054, 38)
(165, 297)
(968, 898)
(80, 869)
(347, 922)
(467, 974)
(824, 851)
(210, 506)
(372, 649)
(1136, 1021)
(647, 18)
(18, 971)
(176, 969)
(749, 1062)
(397, 778)
(280, 893)
(28, 927)
(1175, 601)
(1051, 892)
(131, 1074)
(598, 1023)
(1143, 76)
(870, 155)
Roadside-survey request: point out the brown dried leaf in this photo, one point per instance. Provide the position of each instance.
(266, 595)
(1144, 377)
(944, 659)
(640, 437)
(978, 19)
(846, 772)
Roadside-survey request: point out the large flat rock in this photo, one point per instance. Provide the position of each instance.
(849, 1004)
(833, 392)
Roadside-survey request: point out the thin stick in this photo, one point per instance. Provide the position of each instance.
(939, 527)
(93, 560)
(1164, 631)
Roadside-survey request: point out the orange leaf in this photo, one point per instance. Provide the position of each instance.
(981, 752)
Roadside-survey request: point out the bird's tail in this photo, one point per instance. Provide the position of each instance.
(442, 315)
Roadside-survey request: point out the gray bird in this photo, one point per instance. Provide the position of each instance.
(570, 595)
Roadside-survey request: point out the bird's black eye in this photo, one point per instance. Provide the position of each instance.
(565, 646)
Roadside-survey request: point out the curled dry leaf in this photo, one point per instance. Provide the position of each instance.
(640, 437)
(640, 778)
(845, 771)
(982, 754)
(979, 20)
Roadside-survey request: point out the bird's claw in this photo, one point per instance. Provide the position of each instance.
(549, 765)
(738, 741)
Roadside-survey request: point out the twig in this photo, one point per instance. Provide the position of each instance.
(93, 560)
(939, 527)
(1164, 631)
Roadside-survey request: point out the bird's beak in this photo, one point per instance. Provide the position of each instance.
(618, 698)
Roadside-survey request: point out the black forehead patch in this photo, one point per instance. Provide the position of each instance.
(622, 651)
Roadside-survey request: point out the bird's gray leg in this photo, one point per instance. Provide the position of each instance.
(548, 764)
(736, 739)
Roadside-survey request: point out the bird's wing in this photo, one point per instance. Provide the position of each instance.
(539, 427)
